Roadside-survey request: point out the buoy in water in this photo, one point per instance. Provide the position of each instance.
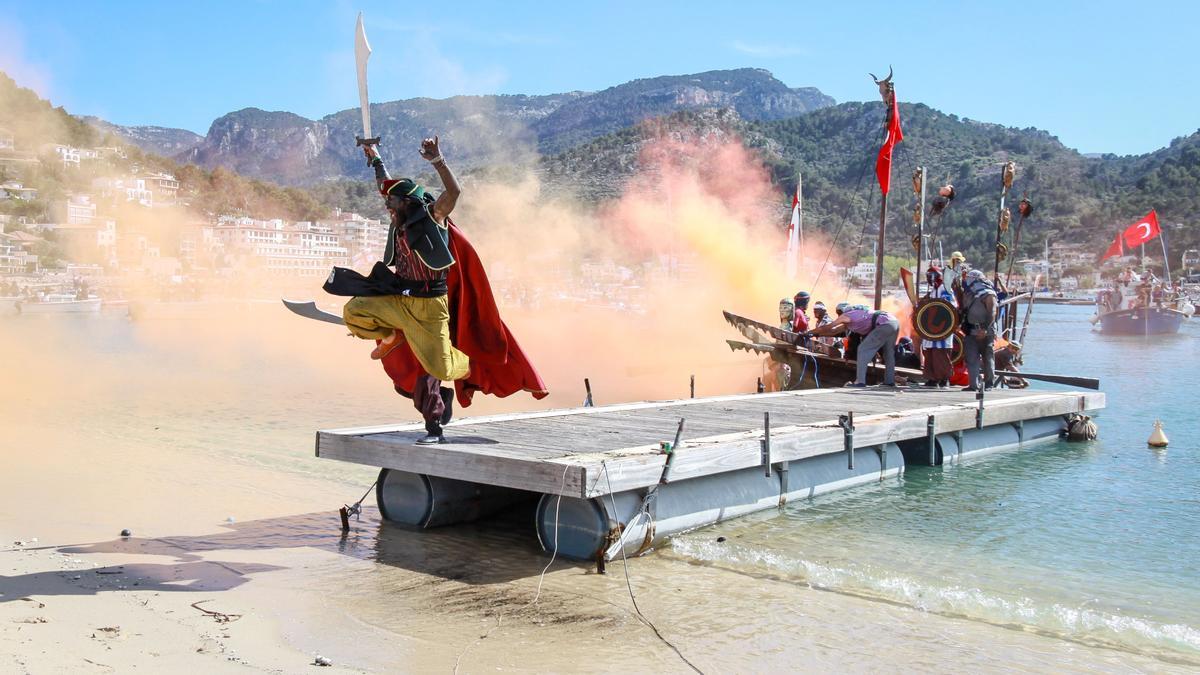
(1081, 428)
(1157, 438)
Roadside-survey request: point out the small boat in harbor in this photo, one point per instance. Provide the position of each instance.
(60, 303)
(1142, 321)
(1138, 303)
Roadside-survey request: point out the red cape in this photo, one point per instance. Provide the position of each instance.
(498, 366)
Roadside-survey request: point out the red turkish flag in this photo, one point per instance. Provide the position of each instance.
(883, 164)
(1114, 249)
(1142, 231)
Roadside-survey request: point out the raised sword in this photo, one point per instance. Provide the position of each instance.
(362, 52)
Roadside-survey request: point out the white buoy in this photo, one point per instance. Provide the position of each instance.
(1157, 438)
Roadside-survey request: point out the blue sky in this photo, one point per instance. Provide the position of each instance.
(1103, 76)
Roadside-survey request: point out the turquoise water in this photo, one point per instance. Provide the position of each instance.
(1093, 542)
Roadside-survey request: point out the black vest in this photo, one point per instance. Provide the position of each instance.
(427, 239)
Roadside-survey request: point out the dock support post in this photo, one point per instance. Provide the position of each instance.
(587, 402)
(958, 440)
(1021, 431)
(766, 444)
(931, 438)
(760, 388)
(846, 422)
(979, 410)
(883, 453)
(783, 483)
(693, 386)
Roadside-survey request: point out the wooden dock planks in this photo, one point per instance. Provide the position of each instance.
(587, 452)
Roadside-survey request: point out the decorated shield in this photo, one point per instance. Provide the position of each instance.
(956, 350)
(935, 319)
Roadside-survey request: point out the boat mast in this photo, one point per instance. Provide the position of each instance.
(1166, 261)
(887, 90)
(920, 272)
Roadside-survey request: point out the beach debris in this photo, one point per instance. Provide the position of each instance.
(720, 540)
(108, 631)
(126, 532)
(322, 661)
(220, 617)
(116, 570)
(1158, 439)
(33, 619)
(230, 519)
(39, 604)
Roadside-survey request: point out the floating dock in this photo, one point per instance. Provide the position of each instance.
(608, 486)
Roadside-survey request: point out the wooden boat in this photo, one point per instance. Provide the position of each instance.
(1142, 321)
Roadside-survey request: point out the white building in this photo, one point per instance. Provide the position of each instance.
(279, 248)
(14, 190)
(162, 186)
(363, 238)
(863, 272)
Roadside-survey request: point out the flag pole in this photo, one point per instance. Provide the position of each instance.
(1162, 234)
(920, 272)
(800, 219)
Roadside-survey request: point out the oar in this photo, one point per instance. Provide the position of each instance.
(1085, 382)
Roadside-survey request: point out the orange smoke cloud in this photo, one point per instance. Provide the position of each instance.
(631, 294)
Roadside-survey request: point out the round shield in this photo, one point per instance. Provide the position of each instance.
(956, 350)
(935, 319)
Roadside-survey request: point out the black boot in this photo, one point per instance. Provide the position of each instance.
(433, 431)
(448, 402)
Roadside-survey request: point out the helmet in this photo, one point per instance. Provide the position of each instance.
(802, 298)
(957, 255)
(842, 307)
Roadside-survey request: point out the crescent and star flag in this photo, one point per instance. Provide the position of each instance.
(1142, 231)
(793, 243)
(883, 165)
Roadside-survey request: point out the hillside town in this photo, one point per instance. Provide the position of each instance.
(136, 224)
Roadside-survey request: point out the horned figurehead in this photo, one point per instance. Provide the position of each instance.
(887, 90)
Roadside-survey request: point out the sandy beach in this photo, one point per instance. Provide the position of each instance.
(237, 559)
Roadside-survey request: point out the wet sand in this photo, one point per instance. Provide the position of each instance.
(173, 436)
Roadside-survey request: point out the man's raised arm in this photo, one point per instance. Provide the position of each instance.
(449, 197)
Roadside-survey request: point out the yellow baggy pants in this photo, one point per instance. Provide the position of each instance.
(423, 322)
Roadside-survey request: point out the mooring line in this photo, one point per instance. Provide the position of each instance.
(629, 584)
(541, 577)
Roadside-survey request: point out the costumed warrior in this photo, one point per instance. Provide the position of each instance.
(878, 330)
(937, 365)
(979, 330)
(434, 317)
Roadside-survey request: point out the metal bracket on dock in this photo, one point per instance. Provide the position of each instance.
(666, 472)
(931, 438)
(765, 444)
(846, 422)
(979, 410)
